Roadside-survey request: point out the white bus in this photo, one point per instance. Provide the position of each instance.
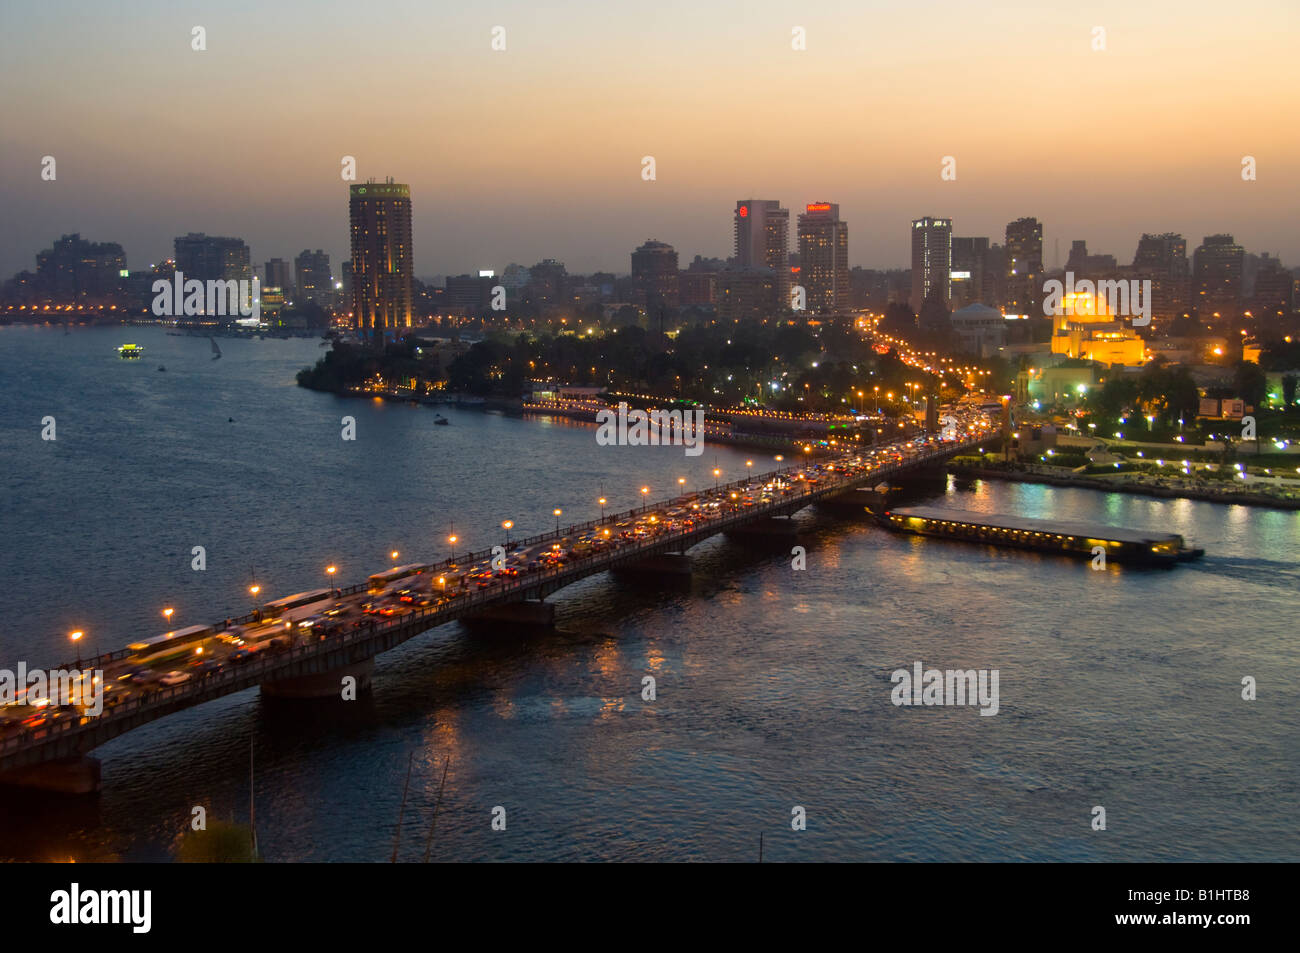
(385, 580)
(171, 645)
(293, 608)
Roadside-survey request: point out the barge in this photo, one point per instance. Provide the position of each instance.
(1066, 537)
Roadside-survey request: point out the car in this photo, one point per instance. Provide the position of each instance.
(175, 678)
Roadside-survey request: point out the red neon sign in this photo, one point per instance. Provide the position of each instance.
(744, 211)
(819, 208)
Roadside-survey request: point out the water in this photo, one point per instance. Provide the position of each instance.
(1119, 689)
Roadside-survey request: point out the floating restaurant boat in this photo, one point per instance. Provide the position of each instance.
(1066, 537)
(130, 352)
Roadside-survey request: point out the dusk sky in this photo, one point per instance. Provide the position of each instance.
(536, 151)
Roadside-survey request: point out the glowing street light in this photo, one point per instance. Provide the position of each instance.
(716, 473)
(167, 614)
(329, 575)
(601, 501)
(558, 513)
(76, 637)
(645, 493)
(394, 554)
(507, 525)
(451, 541)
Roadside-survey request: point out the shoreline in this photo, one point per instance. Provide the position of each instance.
(1204, 495)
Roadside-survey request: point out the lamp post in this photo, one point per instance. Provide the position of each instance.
(451, 541)
(76, 637)
(716, 473)
(329, 575)
(645, 492)
(393, 555)
(601, 501)
(167, 614)
(507, 526)
(558, 513)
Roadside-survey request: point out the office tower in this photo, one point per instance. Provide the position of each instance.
(1274, 293)
(382, 266)
(654, 269)
(1162, 259)
(276, 275)
(762, 239)
(1216, 276)
(314, 282)
(824, 257)
(470, 294)
(210, 258)
(966, 279)
(546, 281)
(1024, 268)
(931, 259)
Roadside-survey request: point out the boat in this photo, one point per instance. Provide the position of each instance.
(1066, 537)
(161, 368)
(216, 351)
(440, 420)
(130, 352)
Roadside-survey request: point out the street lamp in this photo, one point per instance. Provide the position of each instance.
(76, 639)
(681, 484)
(645, 491)
(558, 513)
(329, 575)
(716, 473)
(451, 541)
(507, 526)
(167, 614)
(394, 554)
(601, 501)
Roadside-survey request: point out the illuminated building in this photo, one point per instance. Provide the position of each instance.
(380, 217)
(824, 257)
(1084, 329)
(312, 269)
(931, 259)
(1216, 276)
(1024, 268)
(762, 240)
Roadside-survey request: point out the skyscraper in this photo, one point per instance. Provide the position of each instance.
(312, 269)
(1163, 260)
(209, 258)
(931, 259)
(967, 282)
(762, 240)
(277, 275)
(824, 257)
(1024, 267)
(1216, 276)
(380, 216)
(654, 268)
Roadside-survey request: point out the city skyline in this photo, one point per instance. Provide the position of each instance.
(157, 133)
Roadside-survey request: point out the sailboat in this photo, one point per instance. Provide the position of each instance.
(216, 351)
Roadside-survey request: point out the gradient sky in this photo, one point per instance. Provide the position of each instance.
(535, 152)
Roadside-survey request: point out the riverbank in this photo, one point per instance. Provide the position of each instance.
(1139, 484)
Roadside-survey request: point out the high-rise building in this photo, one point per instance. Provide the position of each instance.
(762, 239)
(1216, 276)
(654, 269)
(1024, 268)
(210, 258)
(1162, 259)
(824, 257)
(931, 259)
(75, 270)
(546, 281)
(382, 263)
(1274, 293)
(277, 275)
(966, 279)
(314, 282)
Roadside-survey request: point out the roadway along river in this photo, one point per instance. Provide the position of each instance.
(1119, 689)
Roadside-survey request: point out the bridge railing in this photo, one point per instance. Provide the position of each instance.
(458, 605)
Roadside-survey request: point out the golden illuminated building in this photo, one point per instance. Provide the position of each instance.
(1084, 328)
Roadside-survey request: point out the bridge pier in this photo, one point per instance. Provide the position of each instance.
(527, 612)
(79, 775)
(322, 685)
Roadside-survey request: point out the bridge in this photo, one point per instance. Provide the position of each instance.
(52, 755)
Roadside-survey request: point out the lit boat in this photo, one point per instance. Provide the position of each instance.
(130, 352)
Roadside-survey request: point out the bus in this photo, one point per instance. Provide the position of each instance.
(295, 607)
(385, 580)
(171, 645)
